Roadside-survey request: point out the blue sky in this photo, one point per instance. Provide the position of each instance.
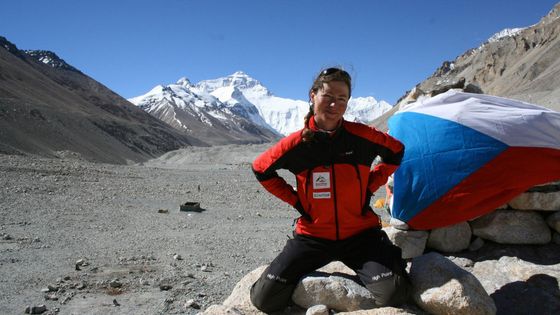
(388, 46)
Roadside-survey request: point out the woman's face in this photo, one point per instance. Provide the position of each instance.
(329, 104)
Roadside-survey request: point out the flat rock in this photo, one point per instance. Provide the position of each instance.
(512, 227)
(548, 201)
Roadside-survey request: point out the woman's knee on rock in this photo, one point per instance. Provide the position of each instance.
(391, 291)
(269, 295)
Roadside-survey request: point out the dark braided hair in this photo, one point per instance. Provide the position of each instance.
(325, 76)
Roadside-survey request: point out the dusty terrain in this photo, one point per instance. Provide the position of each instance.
(58, 211)
(86, 238)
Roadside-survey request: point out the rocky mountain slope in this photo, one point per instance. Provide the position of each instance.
(50, 108)
(217, 118)
(522, 63)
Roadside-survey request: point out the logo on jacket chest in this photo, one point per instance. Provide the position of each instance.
(321, 180)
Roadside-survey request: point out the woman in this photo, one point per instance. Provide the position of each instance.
(331, 159)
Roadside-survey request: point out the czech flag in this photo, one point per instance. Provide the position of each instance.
(467, 154)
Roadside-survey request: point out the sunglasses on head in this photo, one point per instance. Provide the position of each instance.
(330, 71)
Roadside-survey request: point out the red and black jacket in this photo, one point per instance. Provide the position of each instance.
(334, 177)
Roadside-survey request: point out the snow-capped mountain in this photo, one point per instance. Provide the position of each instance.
(365, 109)
(204, 115)
(283, 114)
(238, 104)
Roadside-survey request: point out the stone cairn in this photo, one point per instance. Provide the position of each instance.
(441, 285)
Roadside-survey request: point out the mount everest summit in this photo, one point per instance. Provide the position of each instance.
(238, 109)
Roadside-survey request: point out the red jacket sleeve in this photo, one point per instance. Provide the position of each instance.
(266, 164)
(391, 155)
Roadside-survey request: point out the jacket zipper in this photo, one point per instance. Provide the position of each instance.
(307, 190)
(335, 204)
(362, 205)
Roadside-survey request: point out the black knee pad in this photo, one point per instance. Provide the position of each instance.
(270, 294)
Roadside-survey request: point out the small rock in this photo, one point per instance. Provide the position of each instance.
(51, 297)
(317, 310)
(81, 263)
(192, 304)
(177, 257)
(165, 287)
(115, 283)
(115, 303)
(66, 299)
(163, 211)
(6, 237)
(476, 244)
(39, 309)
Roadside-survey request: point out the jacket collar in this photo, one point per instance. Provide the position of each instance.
(313, 126)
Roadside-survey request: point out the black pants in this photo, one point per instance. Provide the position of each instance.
(373, 257)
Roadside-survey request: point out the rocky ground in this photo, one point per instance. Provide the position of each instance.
(123, 222)
(86, 238)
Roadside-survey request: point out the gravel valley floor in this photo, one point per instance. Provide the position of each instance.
(87, 238)
(138, 250)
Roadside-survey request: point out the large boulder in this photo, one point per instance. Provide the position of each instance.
(512, 227)
(440, 287)
(411, 242)
(450, 239)
(336, 292)
(331, 286)
(494, 274)
(240, 297)
(335, 286)
(520, 287)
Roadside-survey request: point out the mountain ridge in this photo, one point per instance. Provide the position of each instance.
(48, 111)
(246, 97)
(523, 64)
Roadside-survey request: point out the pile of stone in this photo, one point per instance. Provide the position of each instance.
(441, 285)
(531, 218)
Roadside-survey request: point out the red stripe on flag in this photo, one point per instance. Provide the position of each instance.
(509, 174)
